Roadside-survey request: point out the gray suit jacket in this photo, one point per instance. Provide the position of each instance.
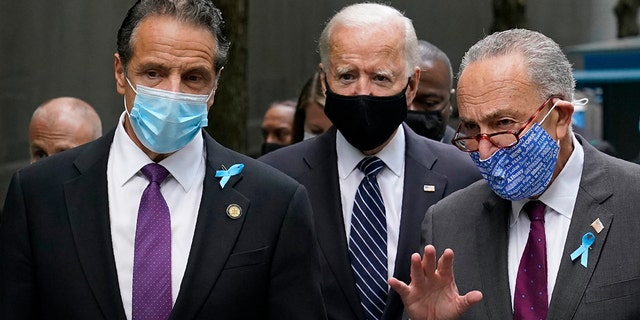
(474, 223)
(314, 164)
(56, 256)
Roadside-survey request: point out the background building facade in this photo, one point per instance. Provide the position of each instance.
(65, 48)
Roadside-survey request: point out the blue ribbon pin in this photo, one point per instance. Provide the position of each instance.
(227, 174)
(583, 250)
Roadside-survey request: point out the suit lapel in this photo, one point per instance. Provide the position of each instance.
(491, 248)
(415, 201)
(321, 180)
(215, 233)
(88, 208)
(595, 188)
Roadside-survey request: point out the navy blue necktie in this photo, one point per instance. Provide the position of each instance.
(368, 241)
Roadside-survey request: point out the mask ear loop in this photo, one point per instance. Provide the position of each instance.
(130, 85)
(580, 102)
(548, 113)
(124, 97)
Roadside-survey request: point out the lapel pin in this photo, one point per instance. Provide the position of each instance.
(234, 211)
(225, 174)
(429, 188)
(597, 225)
(583, 251)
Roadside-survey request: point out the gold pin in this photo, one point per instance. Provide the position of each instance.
(428, 188)
(597, 225)
(234, 211)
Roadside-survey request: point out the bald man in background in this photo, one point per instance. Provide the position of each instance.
(60, 124)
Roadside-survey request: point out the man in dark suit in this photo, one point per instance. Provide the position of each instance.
(370, 72)
(228, 237)
(549, 232)
(431, 109)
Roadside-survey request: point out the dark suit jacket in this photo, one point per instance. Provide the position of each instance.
(609, 288)
(314, 164)
(56, 256)
(449, 133)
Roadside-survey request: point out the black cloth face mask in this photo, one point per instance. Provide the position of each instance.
(268, 147)
(366, 121)
(428, 124)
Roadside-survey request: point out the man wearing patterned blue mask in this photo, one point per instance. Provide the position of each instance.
(156, 219)
(546, 234)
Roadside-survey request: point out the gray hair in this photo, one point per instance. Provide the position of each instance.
(371, 15)
(198, 12)
(547, 66)
(429, 52)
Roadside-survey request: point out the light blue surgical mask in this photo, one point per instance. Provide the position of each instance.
(166, 121)
(524, 170)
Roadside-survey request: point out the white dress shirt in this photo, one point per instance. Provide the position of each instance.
(390, 180)
(560, 199)
(182, 191)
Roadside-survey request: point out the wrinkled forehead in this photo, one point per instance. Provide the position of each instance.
(500, 81)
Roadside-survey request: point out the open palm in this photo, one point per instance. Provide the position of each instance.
(433, 293)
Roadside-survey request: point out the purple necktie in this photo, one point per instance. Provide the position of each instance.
(152, 253)
(530, 299)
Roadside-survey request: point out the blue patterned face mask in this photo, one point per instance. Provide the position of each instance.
(524, 170)
(166, 121)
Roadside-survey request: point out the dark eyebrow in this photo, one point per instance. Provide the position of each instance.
(207, 73)
(150, 65)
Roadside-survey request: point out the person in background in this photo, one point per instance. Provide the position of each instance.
(60, 124)
(277, 125)
(370, 178)
(546, 234)
(431, 109)
(155, 219)
(310, 120)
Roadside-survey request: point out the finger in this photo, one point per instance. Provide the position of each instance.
(445, 263)
(417, 274)
(470, 299)
(429, 260)
(400, 287)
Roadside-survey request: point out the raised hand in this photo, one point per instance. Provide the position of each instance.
(433, 293)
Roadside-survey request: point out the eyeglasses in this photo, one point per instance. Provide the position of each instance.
(502, 139)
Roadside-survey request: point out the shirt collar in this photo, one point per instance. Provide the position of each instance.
(182, 165)
(561, 194)
(392, 154)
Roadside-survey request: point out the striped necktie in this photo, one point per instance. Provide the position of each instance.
(368, 241)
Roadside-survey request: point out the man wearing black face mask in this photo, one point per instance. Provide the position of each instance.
(430, 110)
(277, 125)
(369, 166)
